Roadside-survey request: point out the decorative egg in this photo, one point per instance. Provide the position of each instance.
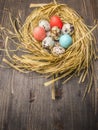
(65, 40)
(48, 43)
(57, 50)
(55, 33)
(45, 24)
(39, 33)
(68, 28)
(56, 21)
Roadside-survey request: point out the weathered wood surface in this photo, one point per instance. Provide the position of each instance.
(68, 113)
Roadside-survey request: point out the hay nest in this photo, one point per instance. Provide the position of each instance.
(77, 59)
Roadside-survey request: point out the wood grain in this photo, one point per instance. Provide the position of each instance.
(25, 104)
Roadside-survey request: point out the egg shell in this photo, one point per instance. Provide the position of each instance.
(56, 21)
(39, 33)
(68, 28)
(65, 40)
(58, 50)
(48, 34)
(48, 43)
(55, 33)
(45, 24)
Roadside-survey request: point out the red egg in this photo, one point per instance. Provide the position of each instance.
(56, 21)
(39, 33)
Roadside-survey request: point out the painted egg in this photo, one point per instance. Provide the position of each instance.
(55, 33)
(39, 33)
(68, 28)
(48, 43)
(56, 21)
(57, 50)
(65, 40)
(45, 24)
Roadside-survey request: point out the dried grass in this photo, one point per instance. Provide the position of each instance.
(78, 58)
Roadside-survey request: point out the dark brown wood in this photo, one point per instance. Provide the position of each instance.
(25, 104)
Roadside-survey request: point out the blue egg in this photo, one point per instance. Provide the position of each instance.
(65, 40)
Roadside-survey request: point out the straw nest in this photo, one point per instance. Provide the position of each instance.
(77, 59)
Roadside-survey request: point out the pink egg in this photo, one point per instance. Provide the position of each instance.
(56, 21)
(39, 33)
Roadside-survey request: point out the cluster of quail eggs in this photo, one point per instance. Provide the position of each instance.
(54, 35)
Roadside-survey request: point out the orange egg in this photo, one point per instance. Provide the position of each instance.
(56, 21)
(39, 33)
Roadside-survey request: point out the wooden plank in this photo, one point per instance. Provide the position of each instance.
(1, 15)
(2, 2)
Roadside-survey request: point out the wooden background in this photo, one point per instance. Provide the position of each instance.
(67, 113)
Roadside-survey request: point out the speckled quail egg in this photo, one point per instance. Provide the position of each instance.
(68, 28)
(48, 43)
(57, 50)
(45, 24)
(48, 34)
(55, 33)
